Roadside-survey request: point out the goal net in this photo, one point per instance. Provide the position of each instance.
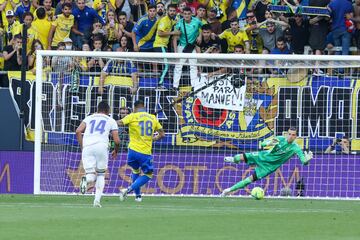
(210, 106)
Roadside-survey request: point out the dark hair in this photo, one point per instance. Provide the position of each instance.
(41, 13)
(122, 13)
(201, 6)
(293, 129)
(66, 5)
(172, 6)
(234, 20)
(239, 46)
(97, 37)
(139, 103)
(103, 107)
(229, 10)
(32, 50)
(18, 36)
(187, 9)
(280, 39)
(160, 3)
(27, 14)
(151, 6)
(206, 27)
(60, 44)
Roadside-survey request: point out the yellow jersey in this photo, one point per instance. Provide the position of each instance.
(63, 27)
(49, 15)
(42, 27)
(7, 8)
(165, 24)
(234, 39)
(97, 4)
(31, 35)
(142, 126)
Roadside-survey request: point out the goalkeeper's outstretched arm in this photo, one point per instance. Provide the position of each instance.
(304, 157)
(270, 142)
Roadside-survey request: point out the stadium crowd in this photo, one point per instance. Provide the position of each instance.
(201, 26)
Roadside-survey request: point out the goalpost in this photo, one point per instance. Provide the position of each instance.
(224, 104)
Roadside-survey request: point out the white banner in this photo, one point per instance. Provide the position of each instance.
(226, 91)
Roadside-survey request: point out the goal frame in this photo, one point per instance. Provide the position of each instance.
(343, 60)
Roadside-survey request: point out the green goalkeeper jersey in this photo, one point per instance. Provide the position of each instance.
(281, 153)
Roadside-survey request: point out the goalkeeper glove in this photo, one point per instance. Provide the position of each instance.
(308, 157)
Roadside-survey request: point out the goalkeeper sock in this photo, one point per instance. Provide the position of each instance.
(99, 186)
(135, 176)
(241, 184)
(139, 182)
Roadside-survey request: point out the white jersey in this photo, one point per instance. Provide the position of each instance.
(98, 127)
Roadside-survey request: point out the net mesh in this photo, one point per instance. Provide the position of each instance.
(212, 108)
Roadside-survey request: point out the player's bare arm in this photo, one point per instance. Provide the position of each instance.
(115, 136)
(79, 133)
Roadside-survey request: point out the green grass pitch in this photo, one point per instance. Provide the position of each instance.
(73, 217)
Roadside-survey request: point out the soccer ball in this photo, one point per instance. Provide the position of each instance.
(257, 193)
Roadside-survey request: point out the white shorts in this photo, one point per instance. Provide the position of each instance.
(95, 157)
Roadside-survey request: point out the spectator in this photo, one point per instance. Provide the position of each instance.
(235, 36)
(160, 9)
(259, 9)
(123, 6)
(214, 21)
(61, 27)
(21, 8)
(319, 26)
(12, 24)
(356, 7)
(83, 62)
(189, 27)
(281, 47)
(5, 7)
(96, 64)
(42, 26)
(201, 14)
(98, 30)
(339, 145)
(31, 33)
(163, 35)
(288, 40)
(102, 7)
(59, 6)
(144, 31)
(61, 64)
(85, 17)
(36, 45)
(206, 40)
(211, 70)
(68, 44)
(342, 37)
(252, 30)
(230, 14)
(125, 28)
(193, 5)
(239, 49)
(124, 44)
(49, 11)
(122, 68)
(269, 36)
(12, 58)
(299, 30)
(112, 30)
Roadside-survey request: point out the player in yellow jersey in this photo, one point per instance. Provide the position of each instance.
(142, 127)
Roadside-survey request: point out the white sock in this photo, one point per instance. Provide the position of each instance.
(90, 177)
(100, 183)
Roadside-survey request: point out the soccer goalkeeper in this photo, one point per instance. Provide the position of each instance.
(269, 160)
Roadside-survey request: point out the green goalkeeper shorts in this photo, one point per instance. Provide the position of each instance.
(261, 170)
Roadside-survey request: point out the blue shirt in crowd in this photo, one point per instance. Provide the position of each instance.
(85, 18)
(338, 10)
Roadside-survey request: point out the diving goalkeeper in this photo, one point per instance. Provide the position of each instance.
(269, 160)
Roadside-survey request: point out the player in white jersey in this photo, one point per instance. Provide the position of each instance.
(94, 144)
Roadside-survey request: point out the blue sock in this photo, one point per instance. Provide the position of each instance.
(139, 182)
(135, 176)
